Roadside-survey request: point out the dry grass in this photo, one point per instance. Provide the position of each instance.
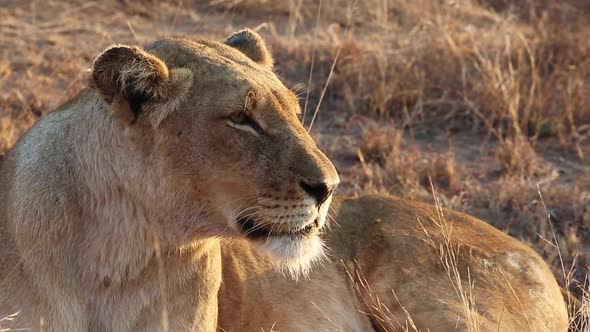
(489, 98)
(449, 257)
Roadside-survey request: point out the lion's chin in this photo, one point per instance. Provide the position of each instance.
(292, 251)
(293, 256)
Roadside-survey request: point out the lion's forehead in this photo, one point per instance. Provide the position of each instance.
(216, 61)
(207, 55)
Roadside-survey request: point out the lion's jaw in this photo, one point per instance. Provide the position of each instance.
(286, 228)
(296, 254)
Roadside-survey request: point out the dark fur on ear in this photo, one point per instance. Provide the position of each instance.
(251, 44)
(129, 71)
(127, 77)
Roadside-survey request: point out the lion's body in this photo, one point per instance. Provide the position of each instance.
(256, 297)
(386, 258)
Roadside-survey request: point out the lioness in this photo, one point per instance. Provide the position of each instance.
(112, 207)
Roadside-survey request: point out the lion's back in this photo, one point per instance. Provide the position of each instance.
(431, 257)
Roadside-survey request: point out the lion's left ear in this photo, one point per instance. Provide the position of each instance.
(251, 44)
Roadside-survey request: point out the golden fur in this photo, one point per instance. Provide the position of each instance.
(396, 265)
(112, 207)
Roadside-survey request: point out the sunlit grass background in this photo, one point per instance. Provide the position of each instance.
(488, 99)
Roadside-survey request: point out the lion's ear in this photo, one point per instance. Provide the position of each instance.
(251, 44)
(127, 77)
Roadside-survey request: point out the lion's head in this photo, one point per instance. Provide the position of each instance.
(223, 135)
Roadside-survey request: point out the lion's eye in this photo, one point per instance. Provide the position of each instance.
(240, 118)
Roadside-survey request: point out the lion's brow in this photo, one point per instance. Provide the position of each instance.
(283, 100)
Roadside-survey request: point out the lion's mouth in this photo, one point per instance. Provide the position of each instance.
(254, 230)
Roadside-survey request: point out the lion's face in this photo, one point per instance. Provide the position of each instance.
(232, 144)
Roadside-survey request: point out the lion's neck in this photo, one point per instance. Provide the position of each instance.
(124, 217)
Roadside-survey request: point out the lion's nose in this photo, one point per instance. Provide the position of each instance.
(320, 191)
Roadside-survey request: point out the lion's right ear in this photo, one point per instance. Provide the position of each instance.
(252, 45)
(127, 77)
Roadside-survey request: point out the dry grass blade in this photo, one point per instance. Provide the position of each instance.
(313, 53)
(379, 314)
(449, 257)
(165, 324)
(317, 109)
